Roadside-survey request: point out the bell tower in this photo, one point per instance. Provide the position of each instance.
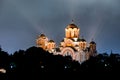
(92, 48)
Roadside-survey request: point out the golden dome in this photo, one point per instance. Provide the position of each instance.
(72, 26)
(42, 35)
(51, 41)
(92, 42)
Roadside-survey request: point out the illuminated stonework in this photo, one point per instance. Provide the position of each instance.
(42, 41)
(72, 45)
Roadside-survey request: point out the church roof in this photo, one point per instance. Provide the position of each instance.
(42, 35)
(79, 39)
(72, 26)
(62, 40)
(92, 42)
(73, 48)
(72, 39)
(51, 41)
(83, 40)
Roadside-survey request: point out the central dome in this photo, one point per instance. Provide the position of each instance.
(72, 31)
(72, 26)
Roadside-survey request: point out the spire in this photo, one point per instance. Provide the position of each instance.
(82, 37)
(92, 42)
(92, 39)
(72, 21)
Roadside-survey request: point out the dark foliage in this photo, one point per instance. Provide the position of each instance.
(36, 61)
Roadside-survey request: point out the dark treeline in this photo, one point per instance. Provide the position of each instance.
(36, 60)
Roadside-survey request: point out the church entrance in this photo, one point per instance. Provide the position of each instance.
(68, 52)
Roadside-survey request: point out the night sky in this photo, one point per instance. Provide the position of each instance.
(21, 21)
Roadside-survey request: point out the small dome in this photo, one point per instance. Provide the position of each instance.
(42, 35)
(79, 39)
(92, 42)
(51, 41)
(83, 40)
(72, 26)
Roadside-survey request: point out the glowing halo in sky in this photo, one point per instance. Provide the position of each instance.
(26, 15)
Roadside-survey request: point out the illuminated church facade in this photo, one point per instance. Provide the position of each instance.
(72, 45)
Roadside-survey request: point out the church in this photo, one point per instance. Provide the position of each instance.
(72, 45)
